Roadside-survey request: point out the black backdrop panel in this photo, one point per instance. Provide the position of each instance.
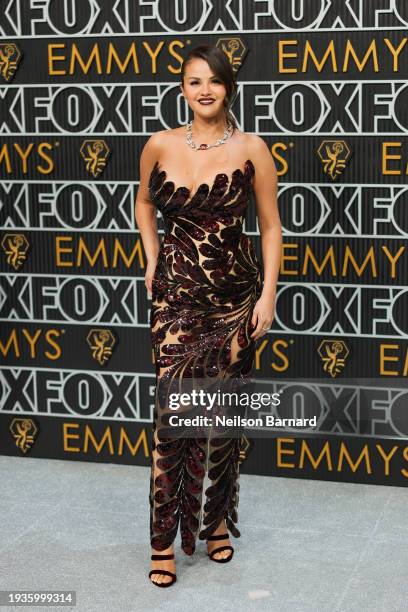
(82, 86)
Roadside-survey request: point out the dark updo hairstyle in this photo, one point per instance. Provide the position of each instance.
(221, 67)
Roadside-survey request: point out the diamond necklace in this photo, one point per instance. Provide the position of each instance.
(189, 138)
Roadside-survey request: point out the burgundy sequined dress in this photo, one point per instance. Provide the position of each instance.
(205, 286)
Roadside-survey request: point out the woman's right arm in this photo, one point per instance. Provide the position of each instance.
(145, 210)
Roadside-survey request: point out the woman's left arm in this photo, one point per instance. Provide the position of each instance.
(266, 195)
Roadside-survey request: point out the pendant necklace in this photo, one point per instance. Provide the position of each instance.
(189, 138)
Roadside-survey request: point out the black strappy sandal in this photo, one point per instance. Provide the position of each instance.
(222, 536)
(165, 572)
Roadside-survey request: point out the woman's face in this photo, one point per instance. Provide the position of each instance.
(200, 82)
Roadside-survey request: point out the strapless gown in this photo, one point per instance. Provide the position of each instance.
(205, 286)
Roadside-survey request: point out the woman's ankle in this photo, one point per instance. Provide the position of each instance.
(166, 551)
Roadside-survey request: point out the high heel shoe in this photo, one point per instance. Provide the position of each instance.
(165, 572)
(222, 536)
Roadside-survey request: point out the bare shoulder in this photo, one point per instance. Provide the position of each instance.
(260, 154)
(155, 148)
(149, 156)
(256, 145)
(155, 141)
(161, 140)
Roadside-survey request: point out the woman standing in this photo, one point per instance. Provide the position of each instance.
(209, 305)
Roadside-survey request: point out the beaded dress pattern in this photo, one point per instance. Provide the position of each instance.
(205, 286)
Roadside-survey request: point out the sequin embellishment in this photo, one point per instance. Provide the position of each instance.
(205, 286)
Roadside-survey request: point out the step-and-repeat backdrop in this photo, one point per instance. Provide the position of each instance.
(83, 83)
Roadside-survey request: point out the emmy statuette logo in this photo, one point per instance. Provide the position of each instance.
(15, 247)
(333, 354)
(10, 57)
(95, 154)
(24, 432)
(234, 49)
(101, 342)
(334, 155)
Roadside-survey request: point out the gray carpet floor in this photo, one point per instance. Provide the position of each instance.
(305, 545)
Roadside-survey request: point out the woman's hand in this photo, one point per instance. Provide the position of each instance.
(150, 270)
(262, 316)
